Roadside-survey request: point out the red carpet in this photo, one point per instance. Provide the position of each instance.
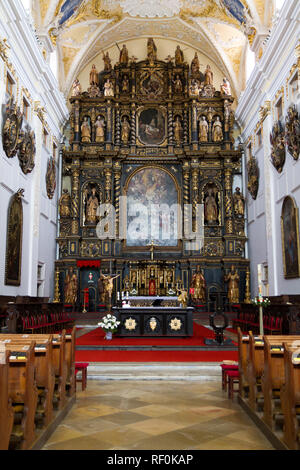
(155, 356)
(96, 338)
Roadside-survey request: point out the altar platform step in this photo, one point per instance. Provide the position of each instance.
(153, 371)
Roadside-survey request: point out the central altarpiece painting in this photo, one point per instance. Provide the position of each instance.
(144, 135)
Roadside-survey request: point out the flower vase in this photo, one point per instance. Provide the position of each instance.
(108, 335)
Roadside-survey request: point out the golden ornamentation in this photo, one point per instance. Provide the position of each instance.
(175, 324)
(4, 47)
(130, 324)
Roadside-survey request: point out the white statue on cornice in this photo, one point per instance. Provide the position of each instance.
(225, 87)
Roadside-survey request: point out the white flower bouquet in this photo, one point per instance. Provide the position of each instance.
(109, 323)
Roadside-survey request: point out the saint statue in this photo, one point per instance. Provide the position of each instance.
(76, 88)
(225, 87)
(151, 50)
(238, 203)
(208, 76)
(85, 130)
(177, 131)
(178, 56)
(124, 55)
(125, 131)
(217, 132)
(64, 204)
(125, 84)
(233, 286)
(70, 287)
(126, 284)
(94, 79)
(177, 84)
(108, 88)
(203, 130)
(92, 208)
(107, 62)
(195, 65)
(198, 286)
(194, 88)
(210, 208)
(99, 126)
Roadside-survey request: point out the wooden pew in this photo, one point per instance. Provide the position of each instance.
(70, 358)
(290, 397)
(45, 380)
(243, 348)
(273, 377)
(23, 393)
(59, 362)
(6, 408)
(255, 368)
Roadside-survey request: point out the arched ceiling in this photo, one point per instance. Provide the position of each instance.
(220, 30)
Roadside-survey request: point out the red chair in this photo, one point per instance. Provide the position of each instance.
(225, 369)
(81, 367)
(233, 378)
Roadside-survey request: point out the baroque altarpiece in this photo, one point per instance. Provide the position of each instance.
(157, 132)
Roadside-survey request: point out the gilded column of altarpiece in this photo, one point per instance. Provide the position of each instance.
(154, 131)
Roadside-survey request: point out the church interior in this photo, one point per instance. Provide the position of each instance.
(150, 251)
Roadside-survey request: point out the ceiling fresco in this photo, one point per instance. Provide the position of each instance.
(222, 30)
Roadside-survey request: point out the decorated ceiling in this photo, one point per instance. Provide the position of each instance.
(220, 30)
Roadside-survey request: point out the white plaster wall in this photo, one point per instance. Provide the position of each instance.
(33, 74)
(270, 76)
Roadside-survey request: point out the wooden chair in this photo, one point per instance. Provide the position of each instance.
(233, 378)
(225, 369)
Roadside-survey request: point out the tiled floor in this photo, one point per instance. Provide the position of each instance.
(156, 415)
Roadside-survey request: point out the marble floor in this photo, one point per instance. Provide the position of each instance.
(156, 415)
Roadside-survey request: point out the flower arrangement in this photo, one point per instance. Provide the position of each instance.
(109, 323)
(260, 301)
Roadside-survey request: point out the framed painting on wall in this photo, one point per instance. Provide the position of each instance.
(14, 240)
(290, 238)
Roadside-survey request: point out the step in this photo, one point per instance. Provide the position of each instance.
(208, 371)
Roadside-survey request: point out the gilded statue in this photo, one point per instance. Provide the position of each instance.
(125, 84)
(177, 85)
(179, 59)
(238, 203)
(126, 284)
(203, 130)
(107, 62)
(225, 87)
(198, 286)
(292, 132)
(85, 130)
(151, 50)
(177, 131)
(99, 127)
(208, 76)
(195, 65)
(76, 88)
(194, 88)
(217, 131)
(70, 288)
(124, 55)
(94, 78)
(125, 132)
(233, 286)
(92, 208)
(108, 88)
(64, 204)
(278, 141)
(210, 208)
(108, 286)
(183, 298)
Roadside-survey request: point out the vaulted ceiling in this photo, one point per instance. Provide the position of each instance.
(220, 30)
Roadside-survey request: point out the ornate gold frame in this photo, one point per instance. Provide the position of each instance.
(296, 213)
(163, 110)
(179, 198)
